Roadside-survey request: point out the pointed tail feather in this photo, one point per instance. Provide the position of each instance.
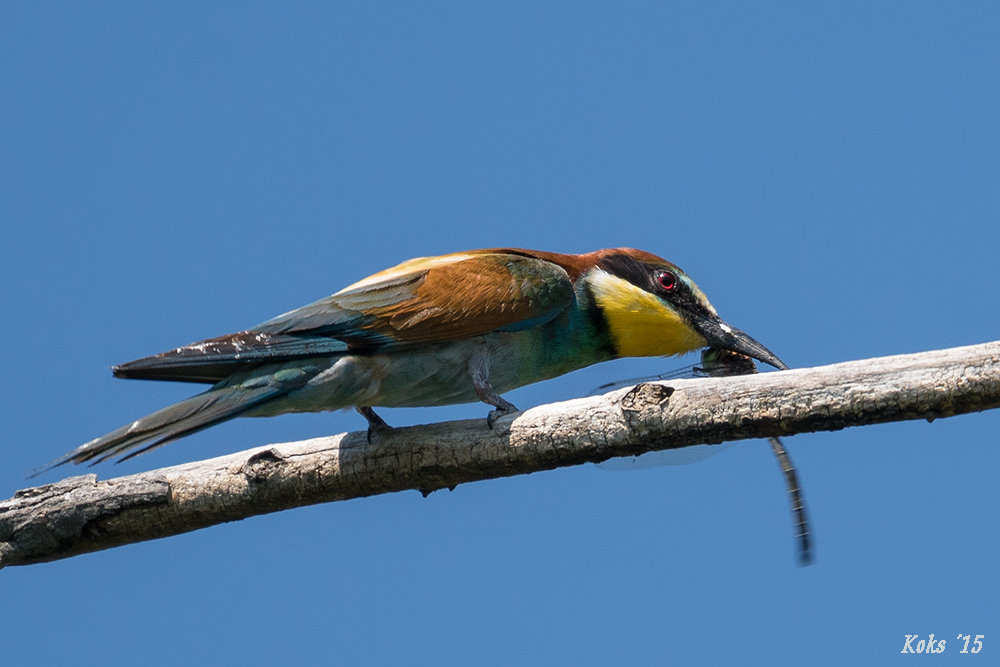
(163, 426)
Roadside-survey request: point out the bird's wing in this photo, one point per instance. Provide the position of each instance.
(435, 300)
(426, 300)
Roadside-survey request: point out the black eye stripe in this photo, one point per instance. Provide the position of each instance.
(642, 275)
(628, 268)
(646, 276)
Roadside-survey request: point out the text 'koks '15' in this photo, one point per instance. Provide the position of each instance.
(913, 644)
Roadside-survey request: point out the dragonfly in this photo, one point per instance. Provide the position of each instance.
(717, 362)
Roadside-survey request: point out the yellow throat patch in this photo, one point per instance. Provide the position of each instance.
(641, 324)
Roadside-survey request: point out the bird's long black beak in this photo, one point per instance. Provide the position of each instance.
(719, 334)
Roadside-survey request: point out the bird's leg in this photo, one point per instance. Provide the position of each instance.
(375, 423)
(479, 369)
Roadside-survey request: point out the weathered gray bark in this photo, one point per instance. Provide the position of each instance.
(81, 514)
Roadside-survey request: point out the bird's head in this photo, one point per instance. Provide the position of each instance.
(652, 308)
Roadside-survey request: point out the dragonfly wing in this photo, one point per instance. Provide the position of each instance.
(664, 457)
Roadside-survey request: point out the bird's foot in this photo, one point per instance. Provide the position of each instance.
(376, 425)
(378, 431)
(503, 408)
(479, 369)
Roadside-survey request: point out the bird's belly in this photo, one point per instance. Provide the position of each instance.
(441, 376)
(422, 378)
(428, 376)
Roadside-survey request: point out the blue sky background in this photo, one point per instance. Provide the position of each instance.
(828, 175)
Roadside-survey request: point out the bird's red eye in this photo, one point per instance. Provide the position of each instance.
(667, 280)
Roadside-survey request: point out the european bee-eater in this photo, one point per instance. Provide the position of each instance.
(434, 331)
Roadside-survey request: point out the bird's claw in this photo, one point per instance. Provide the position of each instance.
(376, 425)
(502, 410)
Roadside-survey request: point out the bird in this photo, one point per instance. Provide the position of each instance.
(457, 328)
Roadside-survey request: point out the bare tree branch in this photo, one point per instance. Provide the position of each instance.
(81, 514)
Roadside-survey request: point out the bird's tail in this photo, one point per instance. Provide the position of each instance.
(163, 426)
